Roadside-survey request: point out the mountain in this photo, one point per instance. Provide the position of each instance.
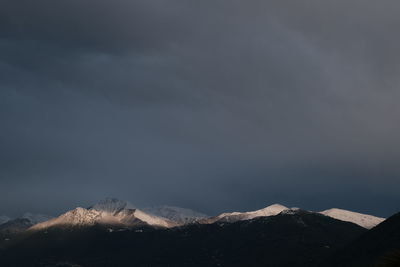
(379, 246)
(15, 226)
(240, 216)
(176, 214)
(4, 219)
(364, 220)
(109, 212)
(115, 233)
(295, 238)
(21, 224)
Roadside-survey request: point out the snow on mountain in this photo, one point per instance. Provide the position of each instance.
(78, 216)
(92, 216)
(363, 220)
(112, 205)
(240, 216)
(175, 214)
(4, 219)
(152, 220)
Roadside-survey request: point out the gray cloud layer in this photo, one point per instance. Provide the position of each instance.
(213, 105)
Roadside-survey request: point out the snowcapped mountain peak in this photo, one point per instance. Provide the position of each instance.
(112, 205)
(364, 220)
(113, 216)
(176, 214)
(4, 219)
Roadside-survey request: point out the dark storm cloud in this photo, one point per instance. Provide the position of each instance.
(212, 105)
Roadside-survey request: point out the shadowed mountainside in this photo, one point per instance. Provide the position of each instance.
(379, 246)
(294, 238)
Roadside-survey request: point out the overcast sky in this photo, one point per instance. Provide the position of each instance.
(215, 105)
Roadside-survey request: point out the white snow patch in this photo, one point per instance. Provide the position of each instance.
(363, 220)
(151, 219)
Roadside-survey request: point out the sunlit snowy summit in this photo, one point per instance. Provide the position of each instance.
(108, 212)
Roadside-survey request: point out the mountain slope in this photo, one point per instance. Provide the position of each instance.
(379, 246)
(364, 220)
(175, 214)
(296, 238)
(21, 224)
(240, 216)
(15, 226)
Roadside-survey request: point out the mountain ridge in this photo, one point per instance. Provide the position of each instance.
(308, 238)
(364, 220)
(271, 210)
(112, 211)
